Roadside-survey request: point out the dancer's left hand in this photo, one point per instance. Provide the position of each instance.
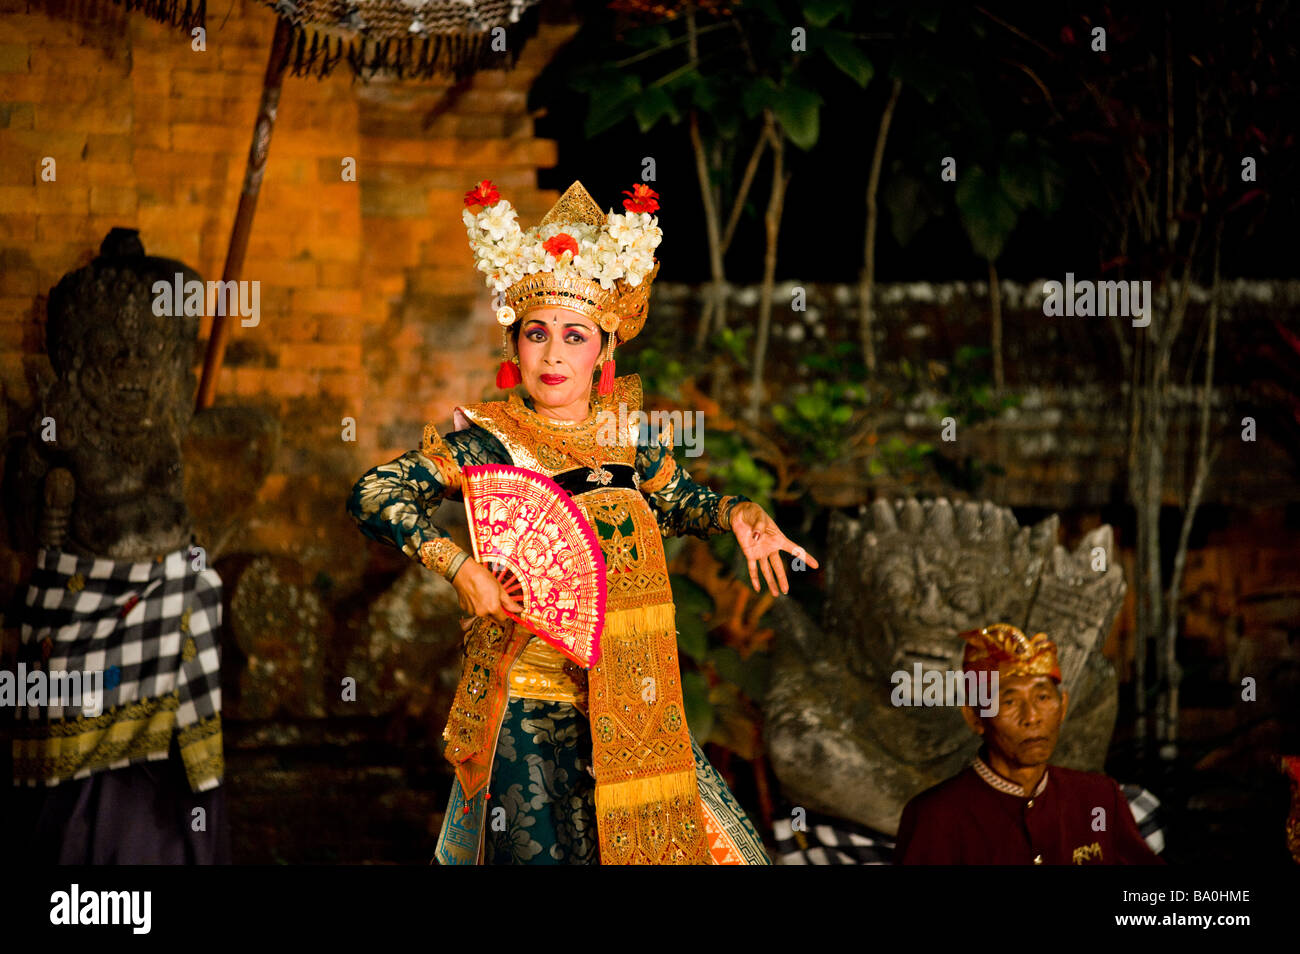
(762, 541)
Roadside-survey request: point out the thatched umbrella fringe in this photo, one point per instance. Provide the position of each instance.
(414, 57)
(170, 12)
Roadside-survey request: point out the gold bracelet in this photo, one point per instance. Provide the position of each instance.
(438, 555)
(729, 503)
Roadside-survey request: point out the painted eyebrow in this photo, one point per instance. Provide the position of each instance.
(538, 323)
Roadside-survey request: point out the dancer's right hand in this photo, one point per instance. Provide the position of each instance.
(481, 594)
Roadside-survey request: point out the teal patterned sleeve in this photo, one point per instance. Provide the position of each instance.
(680, 505)
(394, 502)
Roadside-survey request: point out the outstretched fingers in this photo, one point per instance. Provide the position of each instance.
(778, 568)
(799, 553)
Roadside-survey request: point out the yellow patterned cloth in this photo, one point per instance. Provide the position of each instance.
(542, 672)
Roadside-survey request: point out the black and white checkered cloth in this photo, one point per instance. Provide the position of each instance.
(1146, 812)
(152, 628)
(834, 841)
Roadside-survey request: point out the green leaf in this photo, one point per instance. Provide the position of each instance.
(609, 108)
(1053, 185)
(797, 108)
(727, 662)
(749, 674)
(594, 78)
(758, 97)
(699, 710)
(920, 73)
(910, 207)
(987, 215)
(821, 12)
(692, 638)
(704, 92)
(928, 17)
(647, 37)
(653, 105)
(770, 10)
(1019, 173)
(844, 53)
(1029, 175)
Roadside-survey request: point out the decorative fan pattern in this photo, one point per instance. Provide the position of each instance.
(523, 525)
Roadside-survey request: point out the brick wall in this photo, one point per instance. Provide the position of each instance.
(369, 308)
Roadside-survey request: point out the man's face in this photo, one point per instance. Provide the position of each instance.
(1030, 711)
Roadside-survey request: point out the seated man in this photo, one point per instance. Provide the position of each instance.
(1008, 807)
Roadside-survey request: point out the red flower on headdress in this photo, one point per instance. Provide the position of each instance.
(557, 245)
(484, 194)
(644, 199)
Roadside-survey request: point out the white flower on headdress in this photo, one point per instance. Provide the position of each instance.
(648, 239)
(639, 263)
(607, 271)
(506, 251)
(623, 228)
(498, 220)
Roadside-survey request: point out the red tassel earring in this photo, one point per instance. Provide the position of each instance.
(508, 374)
(607, 369)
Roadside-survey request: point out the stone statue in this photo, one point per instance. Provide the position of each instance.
(119, 595)
(104, 463)
(903, 580)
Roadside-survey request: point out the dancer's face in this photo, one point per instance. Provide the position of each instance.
(558, 350)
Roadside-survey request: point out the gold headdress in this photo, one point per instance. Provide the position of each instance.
(1005, 648)
(599, 265)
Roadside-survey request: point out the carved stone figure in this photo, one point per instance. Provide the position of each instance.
(118, 594)
(106, 444)
(904, 579)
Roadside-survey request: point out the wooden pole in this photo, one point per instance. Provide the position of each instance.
(239, 232)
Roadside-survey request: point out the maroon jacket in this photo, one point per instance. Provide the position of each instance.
(966, 821)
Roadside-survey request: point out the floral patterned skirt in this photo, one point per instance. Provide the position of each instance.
(542, 811)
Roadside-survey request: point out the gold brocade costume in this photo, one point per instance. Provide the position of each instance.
(565, 765)
(647, 800)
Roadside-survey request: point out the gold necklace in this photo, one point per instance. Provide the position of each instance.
(572, 439)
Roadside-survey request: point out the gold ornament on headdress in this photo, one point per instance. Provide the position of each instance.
(1007, 649)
